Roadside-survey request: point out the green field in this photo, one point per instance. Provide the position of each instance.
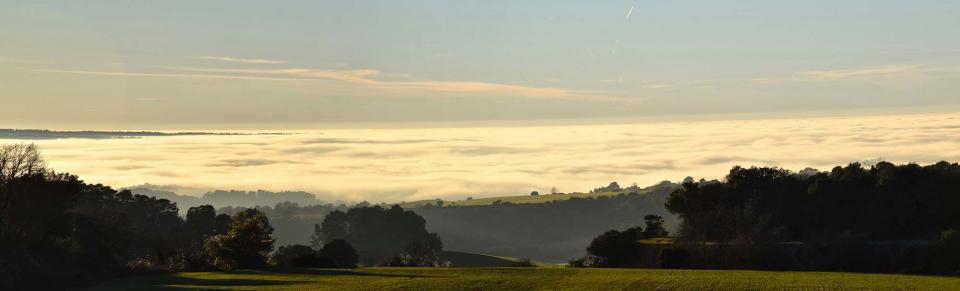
(531, 279)
(526, 199)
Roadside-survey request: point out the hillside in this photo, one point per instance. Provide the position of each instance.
(471, 260)
(525, 199)
(530, 279)
(552, 232)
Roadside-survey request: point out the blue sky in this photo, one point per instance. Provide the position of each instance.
(227, 63)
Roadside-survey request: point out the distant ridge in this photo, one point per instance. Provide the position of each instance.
(6, 133)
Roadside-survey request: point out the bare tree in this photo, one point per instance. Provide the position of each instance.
(18, 160)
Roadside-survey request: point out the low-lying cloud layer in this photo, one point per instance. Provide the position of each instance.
(409, 164)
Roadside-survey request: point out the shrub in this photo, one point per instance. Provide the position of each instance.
(523, 262)
(340, 253)
(673, 258)
(587, 261)
(246, 245)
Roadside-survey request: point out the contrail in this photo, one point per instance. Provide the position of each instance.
(630, 12)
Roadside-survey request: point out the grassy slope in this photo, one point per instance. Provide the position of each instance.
(533, 279)
(464, 259)
(527, 199)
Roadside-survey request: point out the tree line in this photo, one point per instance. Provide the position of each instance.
(881, 218)
(57, 232)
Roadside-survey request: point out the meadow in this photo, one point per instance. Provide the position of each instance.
(530, 279)
(523, 199)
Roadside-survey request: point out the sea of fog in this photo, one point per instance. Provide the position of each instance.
(389, 165)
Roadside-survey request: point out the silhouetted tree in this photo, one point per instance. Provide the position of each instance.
(617, 248)
(653, 226)
(375, 232)
(341, 253)
(299, 256)
(246, 245)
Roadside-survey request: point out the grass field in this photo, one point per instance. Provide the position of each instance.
(526, 199)
(531, 279)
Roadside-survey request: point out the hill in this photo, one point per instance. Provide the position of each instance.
(531, 279)
(526, 199)
(552, 231)
(463, 260)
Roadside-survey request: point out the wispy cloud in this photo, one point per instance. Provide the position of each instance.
(164, 75)
(366, 79)
(860, 72)
(242, 60)
(348, 75)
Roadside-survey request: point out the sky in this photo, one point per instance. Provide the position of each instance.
(315, 64)
(407, 100)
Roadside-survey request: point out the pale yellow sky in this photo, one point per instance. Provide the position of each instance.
(313, 64)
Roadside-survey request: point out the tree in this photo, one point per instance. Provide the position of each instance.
(201, 220)
(18, 160)
(375, 232)
(613, 187)
(949, 251)
(341, 253)
(333, 226)
(553, 190)
(246, 245)
(299, 256)
(534, 193)
(615, 248)
(653, 226)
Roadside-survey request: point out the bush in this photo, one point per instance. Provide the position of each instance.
(673, 258)
(949, 251)
(335, 254)
(587, 261)
(246, 245)
(340, 253)
(523, 262)
(298, 256)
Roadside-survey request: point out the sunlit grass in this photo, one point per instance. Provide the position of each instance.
(532, 279)
(527, 199)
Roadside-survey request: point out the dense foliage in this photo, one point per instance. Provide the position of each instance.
(293, 223)
(247, 244)
(625, 248)
(883, 202)
(334, 254)
(377, 233)
(57, 231)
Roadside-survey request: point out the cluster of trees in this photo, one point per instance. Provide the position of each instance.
(614, 248)
(881, 218)
(882, 202)
(615, 187)
(337, 253)
(384, 236)
(292, 222)
(57, 231)
(232, 198)
(546, 232)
